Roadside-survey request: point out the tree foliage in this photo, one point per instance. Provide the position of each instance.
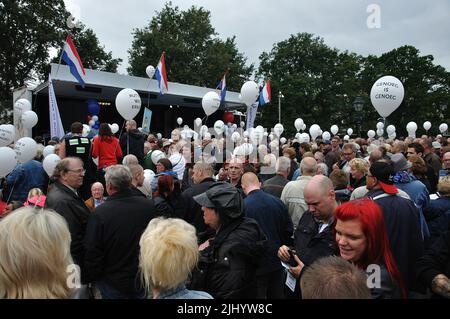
(319, 84)
(92, 53)
(193, 53)
(28, 29)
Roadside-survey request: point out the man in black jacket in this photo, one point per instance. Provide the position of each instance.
(202, 178)
(314, 235)
(132, 142)
(65, 200)
(112, 238)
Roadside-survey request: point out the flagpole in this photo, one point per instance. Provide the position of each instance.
(60, 57)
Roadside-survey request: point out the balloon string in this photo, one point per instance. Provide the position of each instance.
(12, 189)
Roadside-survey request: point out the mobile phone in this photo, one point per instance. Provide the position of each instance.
(292, 261)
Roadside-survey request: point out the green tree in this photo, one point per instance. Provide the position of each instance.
(92, 54)
(427, 88)
(27, 30)
(318, 83)
(194, 55)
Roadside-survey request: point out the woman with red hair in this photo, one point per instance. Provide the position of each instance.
(167, 198)
(362, 240)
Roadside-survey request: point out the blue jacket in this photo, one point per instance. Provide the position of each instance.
(181, 292)
(25, 177)
(273, 218)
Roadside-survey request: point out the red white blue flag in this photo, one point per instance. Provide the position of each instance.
(264, 95)
(161, 76)
(223, 87)
(72, 59)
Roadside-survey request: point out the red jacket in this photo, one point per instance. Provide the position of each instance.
(107, 149)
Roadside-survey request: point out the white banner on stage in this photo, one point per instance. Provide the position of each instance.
(251, 114)
(56, 127)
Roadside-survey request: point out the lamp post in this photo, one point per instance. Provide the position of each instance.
(358, 105)
(280, 95)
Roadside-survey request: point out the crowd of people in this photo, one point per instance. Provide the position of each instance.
(361, 218)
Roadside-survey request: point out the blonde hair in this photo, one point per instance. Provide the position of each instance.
(34, 255)
(359, 164)
(444, 186)
(35, 192)
(169, 252)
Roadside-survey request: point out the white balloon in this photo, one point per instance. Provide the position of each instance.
(443, 128)
(283, 140)
(411, 127)
(210, 102)
(49, 149)
(219, 127)
(380, 132)
(314, 131)
(234, 126)
(150, 70)
(298, 123)
(8, 160)
(249, 92)
(392, 136)
(159, 136)
(380, 125)
(49, 163)
(271, 137)
(235, 136)
(26, 149)
(86, 130)
(179, 121)
(346, 138)
(304, 138)
(350, 131)
(390, 129)
(246, 134)
(334, 129)
(326, 136)
(298, 136)
(304, 127)
(207, 136)
(114, 128)
(247, 148)
(21, 106)
(128, 103)
(29, 119)
(371, 133)
(156, 156)
(427, 125)
(278, 129)
(198, 121)
(386, 95)
(7, 134)
(95, 118)
(242, 124)
(91, 123)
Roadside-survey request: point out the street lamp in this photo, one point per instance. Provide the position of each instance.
(280, 95)
(358, 105)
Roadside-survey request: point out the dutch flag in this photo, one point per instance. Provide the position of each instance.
(264, 96)
(161, 76)
(72, 59)
(223, 88)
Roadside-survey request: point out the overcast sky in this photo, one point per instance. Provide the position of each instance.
(257, 25)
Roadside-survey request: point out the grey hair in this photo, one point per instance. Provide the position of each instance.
(130, 159)
(323, 168)
(283, 164)
(205, 168)
(118, 176)
(308, 166)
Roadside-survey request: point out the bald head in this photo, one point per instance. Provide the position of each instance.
(308, 166)
(250, 182)
(319, 184)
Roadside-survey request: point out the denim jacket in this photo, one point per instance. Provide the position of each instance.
(181, 292)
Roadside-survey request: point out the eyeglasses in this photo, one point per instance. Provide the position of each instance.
(77, 171)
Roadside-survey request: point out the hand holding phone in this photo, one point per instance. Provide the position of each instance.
(292, 261)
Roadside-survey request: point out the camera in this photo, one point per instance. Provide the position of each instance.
(292, 261)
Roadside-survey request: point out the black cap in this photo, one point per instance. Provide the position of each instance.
(222, 196)
(384, 172)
